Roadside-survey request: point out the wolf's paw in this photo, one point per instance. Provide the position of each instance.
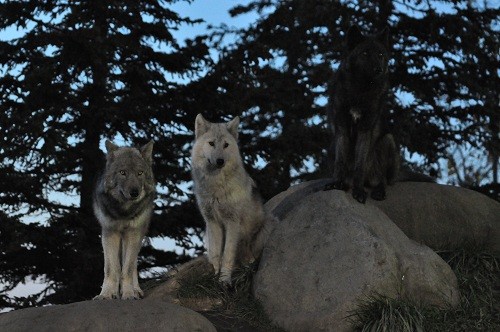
(134, 294)
(339, 185)
(360, 195)
(328, 186)
(225, 277)
(139, 291)
(378, 194)
(225, 281)
(106, 295)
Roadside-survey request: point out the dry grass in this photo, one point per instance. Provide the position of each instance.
(478, 275)
(236, 301)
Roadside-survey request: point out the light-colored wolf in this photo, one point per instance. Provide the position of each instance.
(123, 205)
(227, 197)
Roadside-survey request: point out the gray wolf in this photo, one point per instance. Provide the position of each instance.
(227, 197)
(363, 150)
(123, 205)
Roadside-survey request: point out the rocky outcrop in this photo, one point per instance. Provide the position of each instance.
(106, 315)
(328, 252)
(325, 253)
(439, 216)
(443, 217)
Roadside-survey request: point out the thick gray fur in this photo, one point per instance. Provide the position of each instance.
(227, 198)
(123, 205)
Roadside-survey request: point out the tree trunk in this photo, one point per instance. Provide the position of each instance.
(93, 118)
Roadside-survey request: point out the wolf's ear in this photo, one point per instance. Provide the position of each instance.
(353, 37)
(201, 126)
(383, 37)
(110, 147)
(232, 126)
(147, 151)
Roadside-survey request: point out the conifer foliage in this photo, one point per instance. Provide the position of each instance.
(443, 77)
(79, 72)
(82, 71)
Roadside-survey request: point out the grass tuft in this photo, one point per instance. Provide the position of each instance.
(478, 274)
(235, 301)
(380, 313)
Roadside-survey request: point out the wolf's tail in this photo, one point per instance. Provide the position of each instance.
(408, 175)
(263, 235)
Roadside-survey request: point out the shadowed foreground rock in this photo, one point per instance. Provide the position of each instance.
(328, 252)
(113, 315)
(439, 216)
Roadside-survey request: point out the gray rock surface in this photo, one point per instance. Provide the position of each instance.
(328, 252)
(443, 217)
(439, 216)
(112, 315)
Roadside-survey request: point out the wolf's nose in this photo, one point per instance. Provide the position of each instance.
(220, 162)
(134, 193)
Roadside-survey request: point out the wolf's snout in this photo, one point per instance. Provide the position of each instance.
(220, 162)
(134, 193)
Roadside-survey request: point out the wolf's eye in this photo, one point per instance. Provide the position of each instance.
(380, 54)
(122, 172)
(226, 145)
(140, 173)
(365, 53)
(212, 143)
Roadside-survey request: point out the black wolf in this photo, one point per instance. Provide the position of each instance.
(363, 150)
(123, 205)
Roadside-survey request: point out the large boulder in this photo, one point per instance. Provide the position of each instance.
(439, 216)
(443, 217)
(112, 315)
(328, 252)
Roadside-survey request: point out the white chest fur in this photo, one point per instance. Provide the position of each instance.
(355, 113)
(227, 191)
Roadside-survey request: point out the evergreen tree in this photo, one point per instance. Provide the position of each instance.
(444, 81)
(83, 71)
(87, 70)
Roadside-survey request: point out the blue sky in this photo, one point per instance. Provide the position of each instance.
(212, 12)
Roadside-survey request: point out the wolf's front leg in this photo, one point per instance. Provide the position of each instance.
(230, 251)
(363, 145)
(132, 240)
(341, 153)
(214, 241)
(111, 283)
